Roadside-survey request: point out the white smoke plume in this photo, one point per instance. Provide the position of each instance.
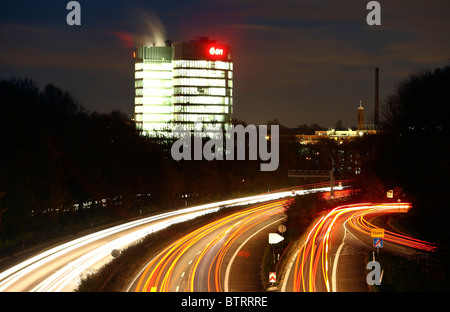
(147, 29)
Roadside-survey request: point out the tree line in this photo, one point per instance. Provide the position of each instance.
(63, 168)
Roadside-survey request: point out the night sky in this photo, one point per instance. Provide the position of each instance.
(298, 61)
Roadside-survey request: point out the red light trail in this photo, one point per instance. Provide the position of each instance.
(312, 270)
(170, 265)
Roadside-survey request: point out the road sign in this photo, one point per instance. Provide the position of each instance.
(272, 277)
(390, 194)
(377, 242)
(282, 228)
(377, 233)
(275, 238)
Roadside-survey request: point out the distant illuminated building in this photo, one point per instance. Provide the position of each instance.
(337, 135)
(183, 84)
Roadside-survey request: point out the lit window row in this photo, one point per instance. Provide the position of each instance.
(203, 64)
(199, 118)
(206, 73)
(203, 82)
(168, 66)
(167, 75)
(157, 118)
(168, 83)
(153, 83)
(153, 66)
(153, 92)
(206, 109)
(152, 100)
(201, 91)
(200, 100)
(153, 109)
(209, 129)
(160, 126)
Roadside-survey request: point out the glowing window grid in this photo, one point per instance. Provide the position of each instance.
(182, 91)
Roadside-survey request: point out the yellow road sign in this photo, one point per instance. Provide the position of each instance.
(377, 233)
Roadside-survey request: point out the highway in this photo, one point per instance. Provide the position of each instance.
(314, 266)
(202, 260)
(59, 268)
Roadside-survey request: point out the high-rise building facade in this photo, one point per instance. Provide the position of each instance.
(153, 89)
(187, 84)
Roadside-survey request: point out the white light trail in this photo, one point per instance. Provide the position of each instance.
(58, 280)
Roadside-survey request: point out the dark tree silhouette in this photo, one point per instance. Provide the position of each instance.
(63, 168)
(415, 157)
(417, 151)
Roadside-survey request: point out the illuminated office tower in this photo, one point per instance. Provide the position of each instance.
(153, 89)
(203, 84)
(188, 84)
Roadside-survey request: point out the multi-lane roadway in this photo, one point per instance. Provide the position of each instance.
(202, 260)
(59, 268)
(315, 265)
(205, 259)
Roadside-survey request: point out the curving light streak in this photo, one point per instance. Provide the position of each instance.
(75, 268)
(164, 270)
(71, 271)
(360, 224)
(11, 275)
(312, 262)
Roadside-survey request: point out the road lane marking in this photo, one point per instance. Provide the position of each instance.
(227, 273)
(336, 259)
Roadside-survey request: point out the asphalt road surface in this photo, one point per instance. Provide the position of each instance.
(60, 267)
(205, 260)
(332, 256)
